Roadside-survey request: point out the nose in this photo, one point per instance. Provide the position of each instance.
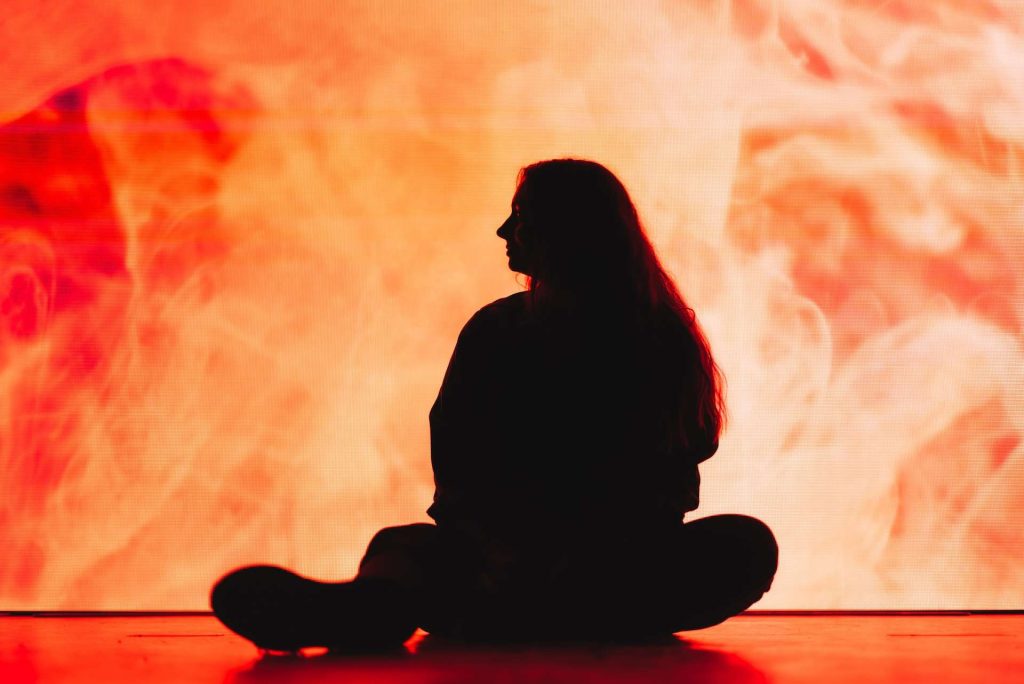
(505, 229)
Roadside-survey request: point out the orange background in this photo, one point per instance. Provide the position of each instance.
(238, 240)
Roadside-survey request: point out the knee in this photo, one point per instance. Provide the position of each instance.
(416, 535)
(750, 544)
(762, 550)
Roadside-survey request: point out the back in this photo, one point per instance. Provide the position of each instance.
(552, 425)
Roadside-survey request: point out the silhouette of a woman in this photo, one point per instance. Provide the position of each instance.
(565, 441)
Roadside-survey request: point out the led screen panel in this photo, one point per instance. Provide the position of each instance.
(238, 241)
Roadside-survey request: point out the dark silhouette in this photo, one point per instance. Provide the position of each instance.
(565, 441)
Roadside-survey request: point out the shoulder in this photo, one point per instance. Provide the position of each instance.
(492, 330)
(505, 306)
(501, 315)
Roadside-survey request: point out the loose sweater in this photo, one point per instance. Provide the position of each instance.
(543, 429)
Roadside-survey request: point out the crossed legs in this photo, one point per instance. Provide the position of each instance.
(698, 575)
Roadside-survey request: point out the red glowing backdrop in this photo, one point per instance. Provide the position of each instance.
(237, 242)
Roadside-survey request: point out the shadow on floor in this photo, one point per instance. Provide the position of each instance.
(440, 661)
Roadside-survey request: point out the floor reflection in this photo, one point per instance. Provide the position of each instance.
(442, 661)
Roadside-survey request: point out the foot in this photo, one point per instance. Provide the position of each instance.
(278, 610)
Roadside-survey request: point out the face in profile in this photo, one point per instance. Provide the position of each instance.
(515, 231)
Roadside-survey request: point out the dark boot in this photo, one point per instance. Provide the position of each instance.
(279, 610)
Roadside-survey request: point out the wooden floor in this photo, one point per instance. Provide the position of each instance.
(749, 648)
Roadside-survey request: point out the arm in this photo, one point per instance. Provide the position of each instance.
(462, 427)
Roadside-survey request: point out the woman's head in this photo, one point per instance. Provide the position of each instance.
(573, 227)
(574, 231)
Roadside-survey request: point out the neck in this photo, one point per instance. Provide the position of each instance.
(568, 303)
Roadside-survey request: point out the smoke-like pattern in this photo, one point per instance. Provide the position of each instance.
(237, 243)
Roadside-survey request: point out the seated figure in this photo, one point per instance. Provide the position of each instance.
(565, 442)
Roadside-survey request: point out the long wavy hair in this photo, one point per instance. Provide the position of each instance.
(588, 247)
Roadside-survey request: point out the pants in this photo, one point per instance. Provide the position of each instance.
(689, 577)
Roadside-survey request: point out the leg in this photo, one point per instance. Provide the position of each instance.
(720, 566)
(400, 555)
(694, 576)
(437, 568)
(279, 610)
(651, 585)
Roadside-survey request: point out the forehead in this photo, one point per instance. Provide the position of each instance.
(519, 196)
